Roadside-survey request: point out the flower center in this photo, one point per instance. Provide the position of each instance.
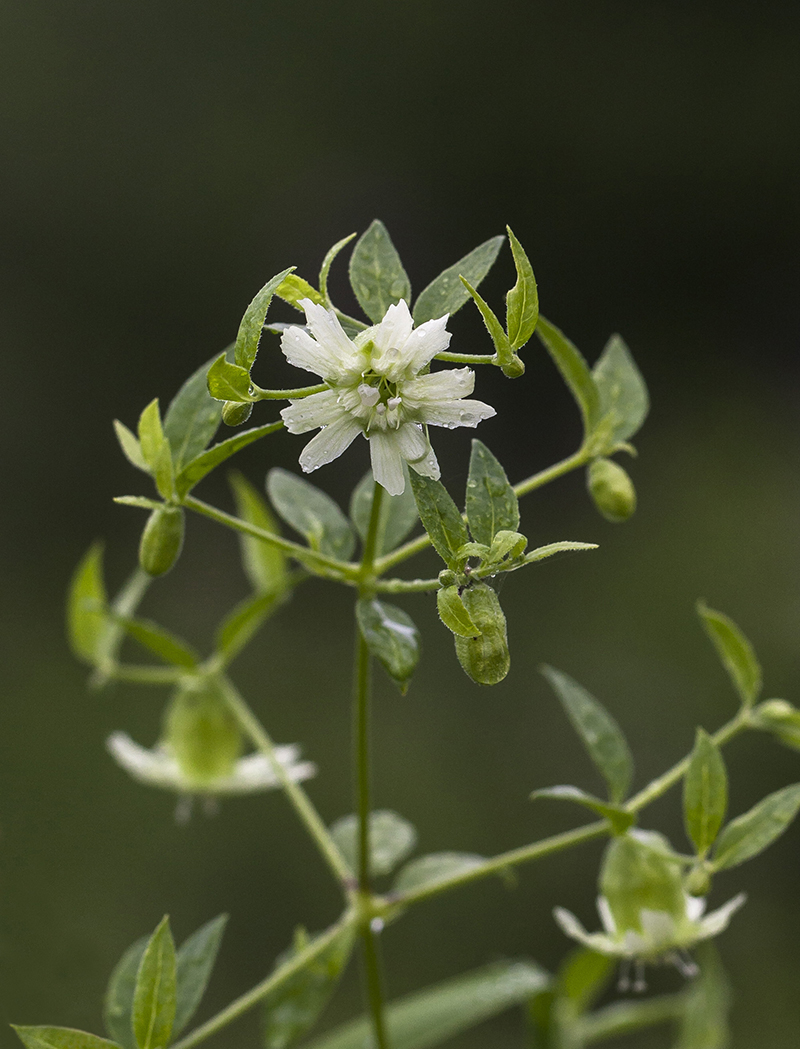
(382, 401)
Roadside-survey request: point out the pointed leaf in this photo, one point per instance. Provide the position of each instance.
(131, 449)
(118, 1004)
(619, 818)
(86, 623)
(193, 964)
(735, 651)
(391, 637)
(158, 640)
(750, 834)
(391, 839)
(312, 513)
(397, 517)
(239, 626)
(453, 613)
(432, 1016)
(446, 293)
(197, 469)
(522, 302)
(60, 1038)
(376, 273)
(502, 346)
(154, 997)
(327, 262)
(491, 502)
(564, 547)
(293, 288)
(155, 448)
(264, 564)
(440, 517)
(510, 545)
(228, 382)
(705, 793)
(249, 334)
(294, 1007)
(139, 501)
(623, 394)
(599, 732)
(192, 418)
(574, 371)
(437, 866)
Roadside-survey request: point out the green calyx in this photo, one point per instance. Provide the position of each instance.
(640, 873)
(201, 733)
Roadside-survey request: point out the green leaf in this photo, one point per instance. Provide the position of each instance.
(492, 505)
(124, 604)
(376, 273)
(192, 418)
(397, 516)
(264, 564)
(139, 501)
(624, 401)
(750, 834)
(327, 262)
(391, 637)
(619, 818)
(197, 469)
(485, 657)
(705, 1018)
(293, 288)
(239, 626)
(437, 866)
(249, 334)
(705, 793)
(391, 839)
(86, 623)
(502, 346)
(60, 1038)
(584, 976)
(599, 732)
(158, 640)
(574, 371)
(118, 1004)
(510, 545)
(295, 1006)
(155, 449)
(446, 293)
(228, 382)
(522, 302)
(440, 517)
(131, 449)
(312, 513)
(154, 997)
(193, 964)
(453, 613)
(430, 1017)
(735, 651)
(564, 547)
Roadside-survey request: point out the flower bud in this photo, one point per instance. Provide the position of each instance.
(698, 881)
(484, 658)
(513, 368)
(234, 413)
(161, 540)
(780, 718)
(611, 489)
(447, 577)
(202, 734)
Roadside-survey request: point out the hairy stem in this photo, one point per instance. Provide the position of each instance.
(285, 395)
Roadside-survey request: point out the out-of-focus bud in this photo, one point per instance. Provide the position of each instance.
(202, 734)
(698, 882)
(611, 489)
(485, 658)
(161, 540)
(780, 718)
(234, 413)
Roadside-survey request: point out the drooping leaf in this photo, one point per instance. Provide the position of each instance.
(705, 793)
(430, 1017)
(599, 732)
(391, 839)
(264, 564)
(735, 651)
(484, 657)
(453, 613)
(294, 1007)
(327, 262)
(192, 418)
(60, 1038)
(619, 818)
(492, 505)
(155, 448)
(227, 381)
(624, 400)
(129, 443)
(437, 866)
(158, 640)
(574, 370)
(704, 1024)
(155, 994)
(293, 288)
(440, 517)
(751, 833)
(252, 323)
(522, 302)
(391, 637)
(312, 513)
(446, 293)
(193, 965)
(584, 976)
(376, 273)
(197, 469)
(243, 622)
(86, 623)
(118, 1004)
(398, 514)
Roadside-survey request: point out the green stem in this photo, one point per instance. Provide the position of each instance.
(145, 675)
(467, 358)
(284, 395)
(297, 796)
(406, 586)
(256, 994)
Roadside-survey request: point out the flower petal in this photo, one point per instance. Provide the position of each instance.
(412, 442)
(427, 466)
(307, 413)
(328, 332)
(457, 413)
(717, 920)
(393, 331)
(573, 928)
(304, 352)
(387, 462)
(606, 917)
(425, 342)
(447, 385)
(329, 443)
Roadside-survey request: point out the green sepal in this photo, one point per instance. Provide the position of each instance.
(446, 293)
(398, 514)
(485, 657)
(198, 468)
(751, 833)
(194, 962)
(158, 640)
(192, 418)
(453, 613)
(377, 276)
(619, 818)
(201, 733)
(435, 867)
(624, 401)
(131, 448)
(312, 513)
(735, 651)
(391, 637)
(86, 623)
(155, 449)
(574, 371)
(229, 382)
(391, 839)
(294, 1007)
(599, 732)
(522, 302)
(60, 1038)
(155, 993)
(705, 793)
(327, 262)
(492, 505)
(118, 1002)
(263, 564)
(293, 288)
(251, 326)
(243, 622)
(502, 347)
(440, 517)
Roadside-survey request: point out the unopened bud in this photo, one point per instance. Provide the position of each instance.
(611, 489)
(234, 413)
(485, 658)
(161, 540)
(698, 882)
(513, 368)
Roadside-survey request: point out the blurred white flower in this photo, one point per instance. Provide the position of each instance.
(377, 390)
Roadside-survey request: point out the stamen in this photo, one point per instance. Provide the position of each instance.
(639, 984)
(183, 809)
(369, 395)
(624, 980)
(685, 964)
(394, 402)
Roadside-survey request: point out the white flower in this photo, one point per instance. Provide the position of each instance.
(376, 389)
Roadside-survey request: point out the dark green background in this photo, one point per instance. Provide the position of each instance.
(160, 161)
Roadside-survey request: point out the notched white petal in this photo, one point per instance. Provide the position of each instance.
(329, 443)
(327, 330)
(307, 413)
(395, 328)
